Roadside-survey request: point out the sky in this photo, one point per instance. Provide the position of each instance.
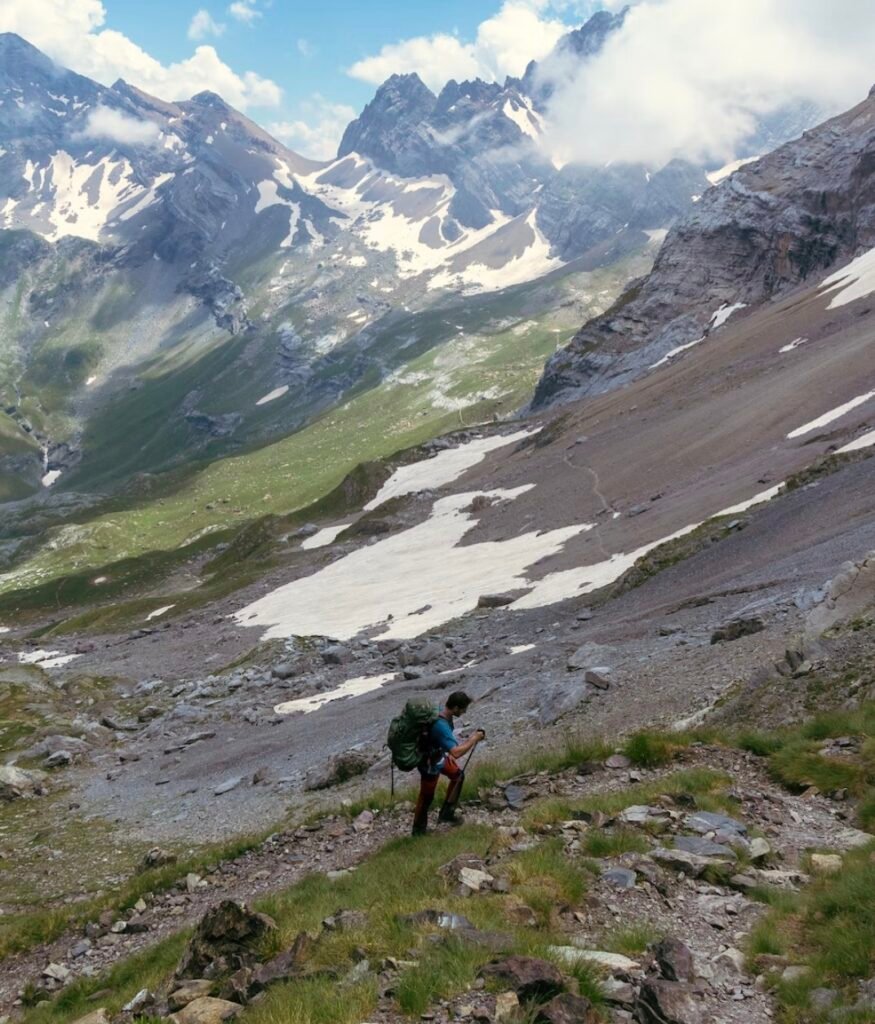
(682, 78)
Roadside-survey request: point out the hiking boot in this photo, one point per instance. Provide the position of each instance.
(419, 830)
(450, 816)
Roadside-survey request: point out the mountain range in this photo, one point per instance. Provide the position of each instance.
(179, 286)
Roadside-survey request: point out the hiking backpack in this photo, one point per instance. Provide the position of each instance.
(409, 734)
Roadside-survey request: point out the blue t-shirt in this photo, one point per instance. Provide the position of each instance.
(443, 739)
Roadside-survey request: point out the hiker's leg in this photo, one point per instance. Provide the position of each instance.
(427, 787)
(456, 778)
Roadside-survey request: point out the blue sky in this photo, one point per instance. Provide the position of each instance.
(302, 68)
(336, 34)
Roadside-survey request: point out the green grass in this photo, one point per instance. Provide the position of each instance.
(601, 844)
(703, 784)
(650, 749)
(450, 379)
(23, 931)
(631, 940)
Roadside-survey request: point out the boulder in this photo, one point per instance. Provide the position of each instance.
(18, 784)
(566, 1009)
(703, 847)
(591, 656)
(674, 959)
(345, 921)
(224, 940)
(427, 653)
(598, 679)
(622, 878)
(140, 1003)
(284, 967)
(848, 596)
(100, 1016)
(228, 785)
(707, 821)
(339, 769)
(530, 978)
(668, 1002)
(336, 654)
(826, 863)
(207, 1010)
(156, 858)
(561, 698)
(689, 863)
(735, 629)
(189, 991)
(285, 670)
(507, 1005)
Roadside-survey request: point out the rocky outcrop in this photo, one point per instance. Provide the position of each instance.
(849, 595)
(771, 225)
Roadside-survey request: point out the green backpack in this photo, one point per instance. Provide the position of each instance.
(408, 737)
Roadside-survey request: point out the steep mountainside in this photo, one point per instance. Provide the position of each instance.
(769, 226)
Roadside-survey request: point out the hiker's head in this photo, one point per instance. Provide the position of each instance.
(458, 703)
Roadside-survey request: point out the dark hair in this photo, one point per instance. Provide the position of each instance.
(458, 699)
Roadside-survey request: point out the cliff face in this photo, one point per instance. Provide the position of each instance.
(768, 227)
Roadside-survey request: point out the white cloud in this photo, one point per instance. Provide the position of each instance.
(244, 10)
(504, 45)
(306, 48)
(105, 123)
(685, 79)
(317, 133)
(71, 32)
(203, 24)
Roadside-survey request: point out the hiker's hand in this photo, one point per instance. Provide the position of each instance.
(481, 735)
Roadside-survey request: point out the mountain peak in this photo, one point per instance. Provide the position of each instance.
(210, 99)
(18, 53)
(400, 104)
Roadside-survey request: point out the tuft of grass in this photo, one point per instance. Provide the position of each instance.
(650, 749)
(600, 844)
(545, 878)
(631, 940)
(447, 968)
(703, 785)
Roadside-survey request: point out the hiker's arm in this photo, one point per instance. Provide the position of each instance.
(468, 744)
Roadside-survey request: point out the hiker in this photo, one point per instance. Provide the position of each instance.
(441, 758)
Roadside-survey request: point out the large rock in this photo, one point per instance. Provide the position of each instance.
(674, 959)
(566, 1009)
(530, 978)
(339, 769)
(207, 1010)
(187, 992)
(668, 1002)
(18, 784)
(848, 596)
(561, 698)
(284, 967)
(224, 940)
(591, 656)
(737, 628)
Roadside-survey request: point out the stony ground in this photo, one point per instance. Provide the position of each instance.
(666, 894)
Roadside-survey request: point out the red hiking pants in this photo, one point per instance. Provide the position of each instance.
(428, 786)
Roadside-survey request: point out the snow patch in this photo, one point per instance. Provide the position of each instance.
(386, 584)
(721, 315)
(272, 396)
(524, 117)
(675, 352)
(351, 688)
(49, 478)
(831, 416)
(864, 441)
(324, 537)
(854, 281)
(793, 345)
(519, 648)
(441, 469)
(46, 659)
(159, 612)
(715, 177)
